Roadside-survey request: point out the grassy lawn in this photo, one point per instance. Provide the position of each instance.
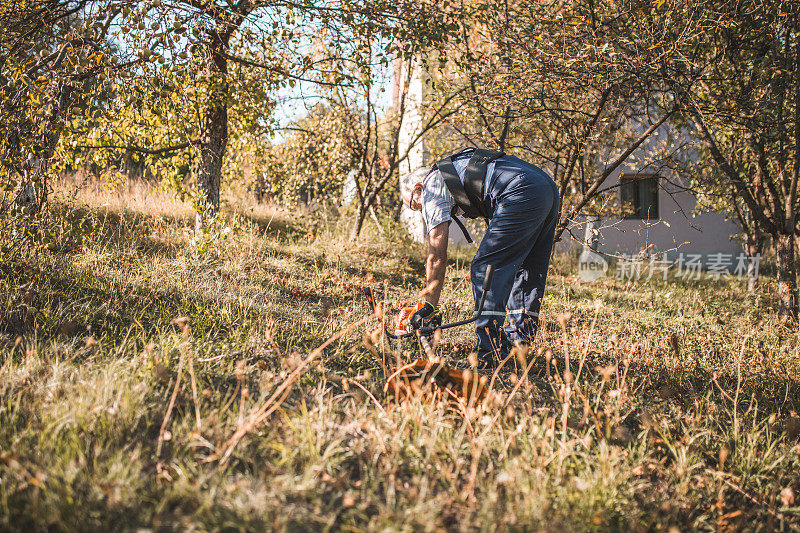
(678, 407)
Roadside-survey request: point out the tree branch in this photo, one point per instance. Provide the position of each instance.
(790, 200)
(283, 72)
(609, 169)
(755, 209)
(137, 149)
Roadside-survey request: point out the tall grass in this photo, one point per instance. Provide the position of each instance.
(151, 378)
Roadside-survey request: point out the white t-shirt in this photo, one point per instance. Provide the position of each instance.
(436, 199)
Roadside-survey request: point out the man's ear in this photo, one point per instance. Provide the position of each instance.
(415, 202)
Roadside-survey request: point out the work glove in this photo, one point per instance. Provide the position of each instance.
(427, 317)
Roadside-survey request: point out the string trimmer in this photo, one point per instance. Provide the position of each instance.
(407, 379)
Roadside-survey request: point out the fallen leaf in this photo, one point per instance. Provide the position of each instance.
(724, 452)
(68, 328)
(787, 497)
(348, 500)
(793, 427)
(180, 321)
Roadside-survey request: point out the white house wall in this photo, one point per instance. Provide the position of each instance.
(676, 230)
(418, 157)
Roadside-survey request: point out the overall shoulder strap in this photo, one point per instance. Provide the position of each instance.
(460, 224)
(475, 177)
(456, 188)
(469, 195)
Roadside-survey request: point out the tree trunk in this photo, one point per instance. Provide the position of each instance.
(355, 231)
(787, 276)
(753, 248)
(591, 235)
(53, 135)
(214, 132)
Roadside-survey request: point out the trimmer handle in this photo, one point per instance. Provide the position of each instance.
(487, 278)
(487, 283)
(370, 298)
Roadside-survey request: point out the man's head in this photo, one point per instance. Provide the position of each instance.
(411, 188)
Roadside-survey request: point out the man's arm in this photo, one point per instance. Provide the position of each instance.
(437, 262)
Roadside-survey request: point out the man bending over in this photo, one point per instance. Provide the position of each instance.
(521, 203)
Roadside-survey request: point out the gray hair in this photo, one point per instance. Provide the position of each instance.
(407, 181)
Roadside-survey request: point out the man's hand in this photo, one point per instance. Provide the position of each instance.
(427, 317)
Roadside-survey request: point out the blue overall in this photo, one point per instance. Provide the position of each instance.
(524, 204)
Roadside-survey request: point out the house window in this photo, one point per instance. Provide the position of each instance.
(639, 196)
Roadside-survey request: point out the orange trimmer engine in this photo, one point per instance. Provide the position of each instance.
(404, 329)
(404, 317)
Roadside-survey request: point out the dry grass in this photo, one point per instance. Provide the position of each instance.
(645, 407)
